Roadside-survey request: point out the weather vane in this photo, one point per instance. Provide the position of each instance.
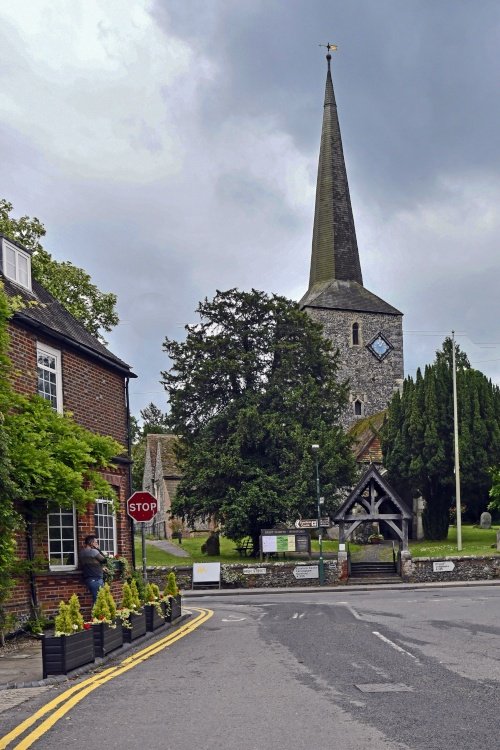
(329, 47)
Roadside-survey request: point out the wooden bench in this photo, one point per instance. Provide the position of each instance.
(245, 548)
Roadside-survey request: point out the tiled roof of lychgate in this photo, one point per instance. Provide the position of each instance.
(345, 295)
(44, 312)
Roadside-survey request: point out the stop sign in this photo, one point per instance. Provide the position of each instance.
(142, 506)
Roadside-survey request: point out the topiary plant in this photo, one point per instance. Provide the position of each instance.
(136, 599)
(141, 586)
(75, 613)
(156, 591)
(171, 588)
(100, 610)
(127, 597)
(111, 602)
(63, 624)
(149, 594)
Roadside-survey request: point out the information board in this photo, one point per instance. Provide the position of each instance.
(284, 540)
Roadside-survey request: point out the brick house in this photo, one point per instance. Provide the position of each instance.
(53, 355)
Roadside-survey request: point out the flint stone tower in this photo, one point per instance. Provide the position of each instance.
(367, 331)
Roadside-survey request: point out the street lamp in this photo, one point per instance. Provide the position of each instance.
(315, 451)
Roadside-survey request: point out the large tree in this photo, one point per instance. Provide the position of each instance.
(418, 438)
(250, 389)
(69, 284)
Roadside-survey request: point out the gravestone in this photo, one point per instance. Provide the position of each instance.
(485, 522)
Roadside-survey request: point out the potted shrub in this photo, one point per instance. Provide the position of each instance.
(172, 599)
(72, 644)
(152, 607)
(131, 614)
(108, 631)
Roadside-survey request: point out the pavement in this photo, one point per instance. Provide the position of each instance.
(21, 660)
(170, 547)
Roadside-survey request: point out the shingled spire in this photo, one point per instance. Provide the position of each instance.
(334, 246)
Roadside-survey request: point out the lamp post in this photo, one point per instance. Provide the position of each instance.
(315, 451)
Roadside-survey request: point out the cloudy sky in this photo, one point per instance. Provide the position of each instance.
(170, 148)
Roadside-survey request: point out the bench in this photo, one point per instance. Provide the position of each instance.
(245, 548)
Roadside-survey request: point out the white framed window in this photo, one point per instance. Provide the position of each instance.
(61, 530)
(16, 264)
(49, 375)
(105, 526)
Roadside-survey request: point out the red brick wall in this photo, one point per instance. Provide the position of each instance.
(95, 395)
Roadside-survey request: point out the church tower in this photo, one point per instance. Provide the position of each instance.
(367, 331)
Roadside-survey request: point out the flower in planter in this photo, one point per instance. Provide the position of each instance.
(152, 596)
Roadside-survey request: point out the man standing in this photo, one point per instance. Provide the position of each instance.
(92, 562)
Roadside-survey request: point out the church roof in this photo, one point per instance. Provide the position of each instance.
(334, 246)
(345, 295)
(335, 281)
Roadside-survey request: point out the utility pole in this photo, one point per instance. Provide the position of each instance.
(457, 452)
(321, 568)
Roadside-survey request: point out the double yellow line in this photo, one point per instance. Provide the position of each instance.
(64, 702)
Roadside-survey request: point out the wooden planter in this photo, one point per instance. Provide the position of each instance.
(107, 638)
(172, 608)
(138, 623)
(61, 654)
(153, 619)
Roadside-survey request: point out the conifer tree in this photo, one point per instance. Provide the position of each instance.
(418, 439)
(251, 389)
(100, 610)
(63, 623)
(127, 597)
(110, 601)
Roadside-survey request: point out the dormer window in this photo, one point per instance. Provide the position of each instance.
(16, 264)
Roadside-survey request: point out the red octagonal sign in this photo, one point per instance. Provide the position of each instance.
(142, 506)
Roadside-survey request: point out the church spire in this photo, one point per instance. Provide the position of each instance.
(334, 247)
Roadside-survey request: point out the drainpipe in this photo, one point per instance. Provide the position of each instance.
(31, 557)
(129, 453)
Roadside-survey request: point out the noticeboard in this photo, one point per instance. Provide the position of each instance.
(284, 540)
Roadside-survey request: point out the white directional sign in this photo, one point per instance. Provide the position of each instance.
(444, 566)
(311, 523)
(306, 571)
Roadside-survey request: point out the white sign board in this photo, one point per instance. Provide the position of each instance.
(254, 571)
(206, 572)
(443, 566)
(306, 571)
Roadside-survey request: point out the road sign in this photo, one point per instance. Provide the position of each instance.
(311, 523)
(306, 571)
(142, 506)
(444, 566)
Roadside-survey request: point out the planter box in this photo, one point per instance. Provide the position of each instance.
(172, 608)
(61, 654)
(153, 619)
(106, 638)
(138, 623)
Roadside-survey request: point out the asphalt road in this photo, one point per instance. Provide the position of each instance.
(353, 670)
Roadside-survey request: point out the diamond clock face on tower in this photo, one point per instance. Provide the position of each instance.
(379, 346)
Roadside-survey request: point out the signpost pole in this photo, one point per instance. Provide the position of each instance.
(143, 540)
(315, 450)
